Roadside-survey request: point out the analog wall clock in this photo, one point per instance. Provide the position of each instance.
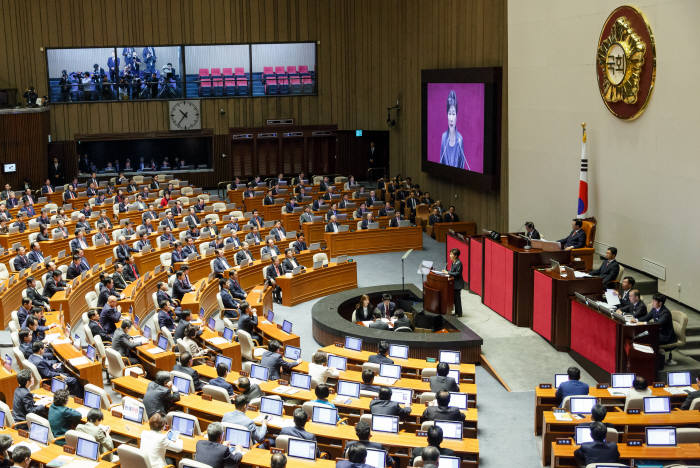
(185, 115)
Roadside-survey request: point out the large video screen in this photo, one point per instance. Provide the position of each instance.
(285, 68)
(461, 125)
(218, 70)
(114, 74)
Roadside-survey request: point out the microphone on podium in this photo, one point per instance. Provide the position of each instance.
(641, 335)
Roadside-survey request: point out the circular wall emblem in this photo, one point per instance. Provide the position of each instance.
(626, 62)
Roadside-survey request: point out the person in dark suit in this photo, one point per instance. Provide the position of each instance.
(272, 359)
(691, 396)
(159, 396)
(323, 185)
(269, 199)
(442, 381)
(166, 316)
(131, 273)
(35, 254)
(248, 320)
(434, 440)
(456, 273)
(220, 380)
(220, 263)
(271, 273)
(75, 268)
(386, 307)
(367, 379)
(38, 300)
(118, 277)
(230, 304)
(54, 284)
(278, 231)
(571, 387)
(401, 321)
(609, 269)
(357, 455)
(381, 356)
(278, 460)
(443, 411)
(576, 238)
(185, 366)
(434, 217)
(123, 250)
(249, 390)
(49, 368)
(178, 254)
(244, 254)
(530, 231)
(290, 205)
(363, 309)
(364, 432)
(297, 430)
(635, 306)
(21, 261)
(107, 291)
(384, 405)
(290, 262)
(234, 286)
(123, 343)
(626, 286)
(23, 399)
(369, 218)
(110, 315)
(213, 453)
(662, 316)
(450, 216)
(598, 451)
(332, 225)
(95, 327)
(47, 187)
(299, 244)
(377, 322)
(179, 286)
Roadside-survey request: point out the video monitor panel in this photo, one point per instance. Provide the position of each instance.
(284, 69)
(218, 70)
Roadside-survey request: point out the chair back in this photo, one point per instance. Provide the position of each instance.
(589, 227)
(427, 372)
(132, 457)
(620, 274)
(4, 274)
(634, 403)
(72, 437)
(35, 418)
(614, 436)
(367, 417)
(181, 346)
(374, 367)
(35, 373)
(695, 404)
(308, 407)
(166, 259)
(166, 333)
(425, 425)
(189, 463)
(115, 365)
(9, 420)
(282, 442)
(321, 257)
(88, 334)
(687, 435)
(216, 393)
(100, 346)
(680, 325)
(14, 336)
(105, 400)
(426, 397)
(247, 345)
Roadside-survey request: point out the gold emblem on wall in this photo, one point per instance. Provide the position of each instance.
(626, 63)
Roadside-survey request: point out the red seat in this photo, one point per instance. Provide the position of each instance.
(291, 70)
(229, 80)
(239, 71)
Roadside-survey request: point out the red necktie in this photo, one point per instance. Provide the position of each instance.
(276, 270)
(71, 195)
(50, 190)
(133, 269)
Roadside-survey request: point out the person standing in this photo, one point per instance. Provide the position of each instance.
(456, 273)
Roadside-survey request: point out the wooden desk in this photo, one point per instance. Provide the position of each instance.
(410, 367)
(312, 283)
(8, 385)
(90, 372)
(439, 230)
(551, 304)
(153, 363)
(141, 298)
(231, 350)
(563, 455)
(374, 241)
(74, 304)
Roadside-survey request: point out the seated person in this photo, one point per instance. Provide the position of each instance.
(635, 305)
(94, 428)
(23, 399)
(155, 442)
(691, 396)
(123, 343)
(297, 430)
(378, 322)
(609, 269)
(381, 356)
(273, 360)
(451, 217)
(185, 366)
(640, 388)
(230, 304)
(442, 411)
(189, 340)
(249, 390)
(213, 453)
(248, 321)
(387, 307)
(442, 381)
(61, 418)
(367, 379)
(364, 310)
(357, 455)
(434, 440)
(598, 451)
(576, 238)
(220, 380)
(530, 231)
(662, 316)
(401, 320)
(239, 417)
(431, 457)
(49, 369)
(571, 387)
(166, 316)
(384, 406)
(95, 327)
(160, 397)
(110, 316)
(435, 217)
(318, 369)
(363, 432)
(322, 391)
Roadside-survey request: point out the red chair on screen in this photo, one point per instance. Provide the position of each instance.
(229, 82)
(241, 80)
(204, 82)
(295, 84)
(269, 80)
(217, 82)
(307, 85)
(304, 70)
(282, 80)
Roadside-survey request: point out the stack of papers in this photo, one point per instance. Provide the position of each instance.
(287, 390)
(217, 340)
(79, 361)
(643, 348)
(51, 337)
(379, 380)
(343, 400)
(562, 416)
(611, 298)
(61, 341)
(615, 391)
(581, 274)
(155, 350)
(33, 446)
(679, 390)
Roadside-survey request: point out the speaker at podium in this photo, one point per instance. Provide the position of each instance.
(438, 293)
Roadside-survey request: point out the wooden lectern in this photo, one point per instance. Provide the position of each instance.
(438, 293)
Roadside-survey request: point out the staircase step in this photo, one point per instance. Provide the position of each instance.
(693, 353)
(692, 331)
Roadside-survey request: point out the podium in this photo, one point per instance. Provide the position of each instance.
(438, 293)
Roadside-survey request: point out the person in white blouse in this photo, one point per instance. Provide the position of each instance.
(319, 371)
(155, 442)
(191, 344)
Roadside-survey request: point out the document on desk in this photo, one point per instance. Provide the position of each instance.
(581, 274)
(616, 392)
(217, 340)
(32, 446)
(61, 341)
(287, 390)
(379, 380)
(425, 267)
(79, 361)
(51, 337)
(643, 348)
(562, 417)
(155, 350)
(611, 298)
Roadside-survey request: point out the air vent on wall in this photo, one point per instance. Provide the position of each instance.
(243, 136)
(322, 133)
(267, 135)
(279, 121)
(293, 134)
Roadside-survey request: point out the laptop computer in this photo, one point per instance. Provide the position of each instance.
(90, 352)
(211, 323)
(450, 357)
(92, 399)
(184, 426)
(287, 326)
(657, 405)
(348, 389)
(240, 437)
(223, 360)
(57, 384)
(376, 458)
(678, 379)
(337, 362)
(298, 380)
(39, 433)
(259, 372)
(133, 413)
(582, 434)
(300, 448)
(661, 436)
(458, 400)
(292, 352)
(559, 379)
(402, 395)
(450, 429)
(581, 405)
(622, 380)
(324, 415)
(227, 334)
(87, 449)
(181, 385)
(398, 351)
(162, 343)
(382, 423)
(391, 371)
(353, 343)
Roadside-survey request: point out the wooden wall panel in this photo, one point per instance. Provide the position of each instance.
(24, 142)
(369, 54)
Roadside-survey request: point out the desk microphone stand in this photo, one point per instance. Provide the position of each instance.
(403, 259)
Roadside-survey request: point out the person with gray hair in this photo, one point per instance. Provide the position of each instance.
(430, 456)
(5, 443)
(278, 460)
(160, 397)
(215, 454)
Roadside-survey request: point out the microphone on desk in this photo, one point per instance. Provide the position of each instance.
(641, 335)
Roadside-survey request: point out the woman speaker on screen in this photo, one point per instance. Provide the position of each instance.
(451, 146)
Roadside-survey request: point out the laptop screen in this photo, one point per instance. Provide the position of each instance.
(678, 379)
(300, 380)
(57, 384)
(381, 423)
(259, 372)
(237, 436)
(445, 461)
(661, 436)
(402, 395)
(2, 419)
(147, 332)
(324, 415)
(87, 448)
(581, 405)
(454, 373)
(287, 326)
(337, 362)
(353, 343)
(90, 352)
(292, 352)
(657, 405)
(458, 400)
(163, 342)
(398, 351)
(212, 323)
(450, 357)
(270, 316)
(583, 434)
(622, 380)
(184, 426)
(450, 429)
(223, 360)
(349, 389)
(92, 399)
(376, 458)
(228, 334)
(39, 433)
(559, 379)
(271, 406)
(301, 449)
(131, 412)
(182, 385)
(391, 371)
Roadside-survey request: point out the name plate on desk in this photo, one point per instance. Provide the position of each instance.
(659, 384)
(117, 413)
(68, 449)
(430, 360)
(421, 433)
(634, 443)
(634, 411)
(602, 386)
(243, 374)
(563, 441)
(274, 450)
(546, 385)
(339, 345)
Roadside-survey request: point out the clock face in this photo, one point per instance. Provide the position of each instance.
(185, 115)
